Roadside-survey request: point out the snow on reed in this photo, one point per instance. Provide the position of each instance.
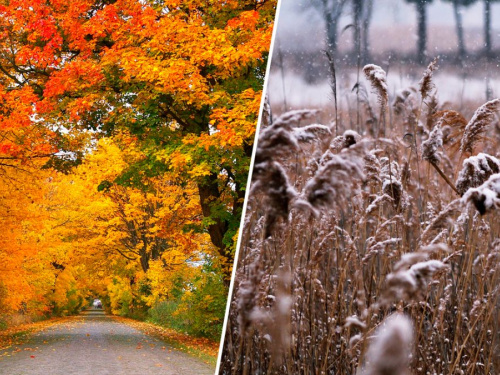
(327, 281)
(390, 350)
(377, 78)
(478, 124)
(485, 197)
(431, 146)
(476, 170)
(426, 85)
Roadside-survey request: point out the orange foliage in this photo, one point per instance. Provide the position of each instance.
(125, 136)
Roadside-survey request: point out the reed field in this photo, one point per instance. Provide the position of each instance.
(373, 250)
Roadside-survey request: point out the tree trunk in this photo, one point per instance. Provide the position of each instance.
(487, 28)
(331, 32)
(365, 36)
(460, 31)
(422, 31)
(144, 258)
(209, 192)
(331, 13)
(357, 11)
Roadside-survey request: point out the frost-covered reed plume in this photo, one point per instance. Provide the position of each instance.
(433, 144)
(346, 140)
(390, 351)
(476, 170)
(248, 295)
(431, 152)
(409, 283)
(333, 180)
(377, 78)
(280, 139)
(441, 220)
(478, 124)
(426, 85)
(387, 234)
(405, 102)
(485, 197)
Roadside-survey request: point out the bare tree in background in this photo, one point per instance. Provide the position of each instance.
(487, 27)
(365, 35)
(362, 13)
(331, 11)
(357, 10)
(458, 6)
(421, 6)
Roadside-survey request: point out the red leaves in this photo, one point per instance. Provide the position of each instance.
(74, 77)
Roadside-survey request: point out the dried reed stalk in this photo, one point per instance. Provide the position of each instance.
(478, 124)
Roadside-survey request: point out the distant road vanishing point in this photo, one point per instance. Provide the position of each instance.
(95, 344)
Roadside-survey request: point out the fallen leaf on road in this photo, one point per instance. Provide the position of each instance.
(200, 344)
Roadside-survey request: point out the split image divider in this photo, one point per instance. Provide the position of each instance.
(370, 235)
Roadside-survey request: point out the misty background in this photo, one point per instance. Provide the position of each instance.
(389, 34)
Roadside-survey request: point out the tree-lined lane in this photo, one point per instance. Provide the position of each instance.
(94, 343)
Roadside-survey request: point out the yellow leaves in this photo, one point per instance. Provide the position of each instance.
(65, 288)
(106, 163)
(108, 233)
(120, 295)
(199, 170)
(235, 125)
(178, 160)
(21, 247)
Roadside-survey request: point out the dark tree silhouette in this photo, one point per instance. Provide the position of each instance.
(365, 35)
(458, 6)
(421, 6)
(362, 12)
(357, 9)
(331, 10)
(487, 27)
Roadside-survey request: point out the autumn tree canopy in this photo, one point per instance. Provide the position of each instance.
(183, 78)
(126, 129)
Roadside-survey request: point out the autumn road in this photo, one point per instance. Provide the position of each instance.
(95, 344)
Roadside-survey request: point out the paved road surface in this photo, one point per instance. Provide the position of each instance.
(94, 344)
